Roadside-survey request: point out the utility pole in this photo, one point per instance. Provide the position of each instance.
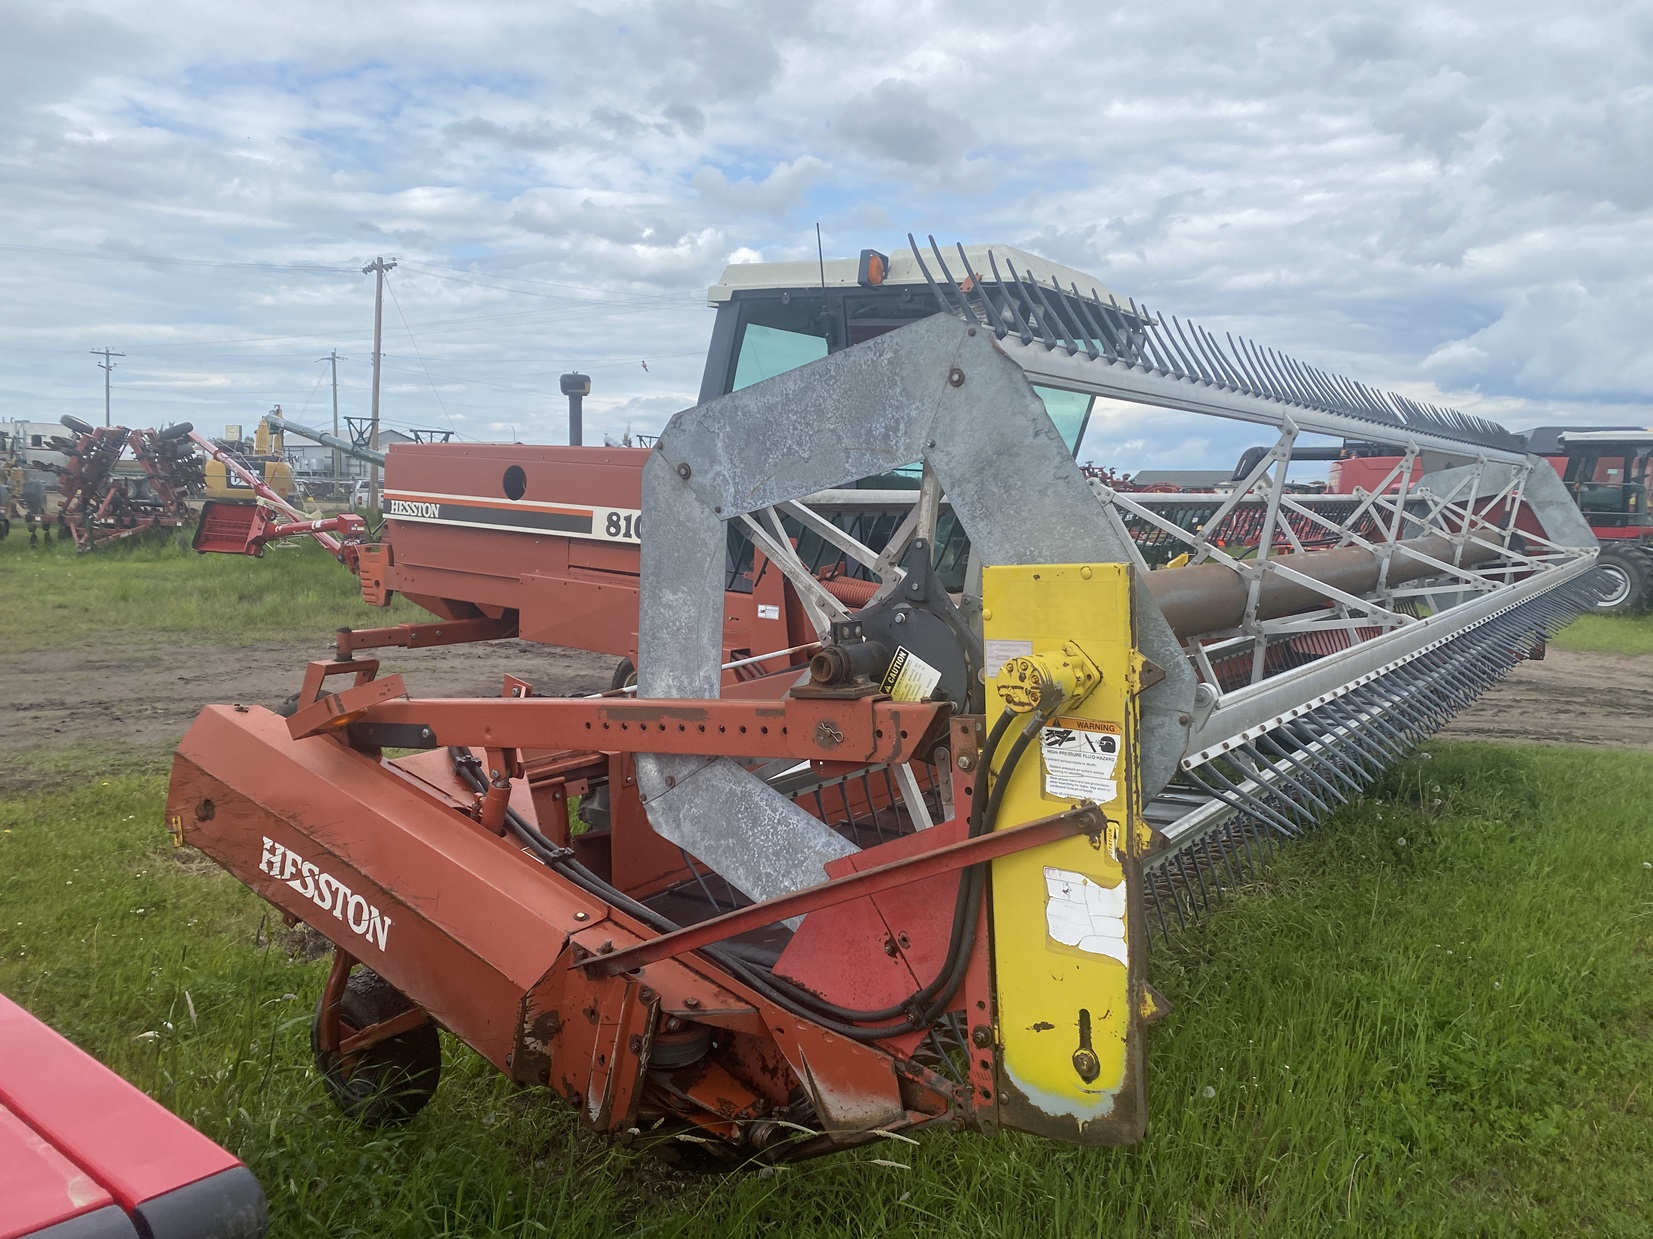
(106, 366)
(378, 267)
(336, 359)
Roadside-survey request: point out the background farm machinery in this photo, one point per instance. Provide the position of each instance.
(930, 733)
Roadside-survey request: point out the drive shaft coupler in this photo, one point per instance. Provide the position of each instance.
(846, 664)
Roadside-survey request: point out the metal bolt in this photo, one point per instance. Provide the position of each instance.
(674, 1024)
(636, 1043)
(955, 376)
(647, 995)
(901, 617)
(692, 1003)
(981, 1036)
(582, 916)
(607, 947)
(1184, 719)
(889, 947)
(967, 761)
(683, 471)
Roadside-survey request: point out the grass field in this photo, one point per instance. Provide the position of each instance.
(1434, 1017)
(49, 596)
(1625, 635)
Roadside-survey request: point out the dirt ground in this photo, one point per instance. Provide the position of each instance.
(1568, 698)
(138, 699)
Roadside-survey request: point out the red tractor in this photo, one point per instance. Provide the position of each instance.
(1608, 472)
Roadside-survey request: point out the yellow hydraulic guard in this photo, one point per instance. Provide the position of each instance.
(1067, 937)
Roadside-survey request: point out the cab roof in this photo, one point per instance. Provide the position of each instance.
(1584, 438)
(903, 271)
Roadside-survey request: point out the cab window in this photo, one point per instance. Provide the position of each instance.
(768, 351)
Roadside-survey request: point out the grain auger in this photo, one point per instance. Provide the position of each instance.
(908, 880)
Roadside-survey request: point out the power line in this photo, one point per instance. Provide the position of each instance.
(422, 364)
(522, 279)
(105, 255)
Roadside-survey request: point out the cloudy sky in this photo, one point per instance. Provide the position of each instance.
(1455, 201)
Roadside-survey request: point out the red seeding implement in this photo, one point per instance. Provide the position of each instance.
(931, 732)
(118, 483)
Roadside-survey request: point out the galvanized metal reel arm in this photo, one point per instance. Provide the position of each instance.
(940, 392)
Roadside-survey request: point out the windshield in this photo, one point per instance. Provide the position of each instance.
(768, 351)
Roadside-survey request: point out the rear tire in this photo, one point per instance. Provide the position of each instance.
(1628, 573)
(625, 675)
(388, 1083)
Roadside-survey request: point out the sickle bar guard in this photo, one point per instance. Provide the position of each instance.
(914, 885)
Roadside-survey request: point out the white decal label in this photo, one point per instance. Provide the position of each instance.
(1079, 756)
(617, 524)
(325, 891)
(909, 678)
(998, 653)
(1085, 914)
(769, 610)
(409, 507)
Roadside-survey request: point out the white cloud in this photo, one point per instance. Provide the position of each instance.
(1451, 201)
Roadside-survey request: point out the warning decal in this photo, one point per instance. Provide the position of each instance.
(1079, 756)
(909, 678)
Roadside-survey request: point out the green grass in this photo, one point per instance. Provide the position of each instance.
(1625, 635)
(1433, 1017)
(49, 596)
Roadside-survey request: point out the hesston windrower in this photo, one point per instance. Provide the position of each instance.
(874, 848)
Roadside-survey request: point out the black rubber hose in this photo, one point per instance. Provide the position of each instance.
(858, 1025)
(964, 917)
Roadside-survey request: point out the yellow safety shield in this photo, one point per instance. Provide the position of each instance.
(1067, 916)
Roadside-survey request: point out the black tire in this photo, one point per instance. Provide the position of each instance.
(288, 707)
(625, 675)
(389, 1083)
(1628, 573)
(75, 424)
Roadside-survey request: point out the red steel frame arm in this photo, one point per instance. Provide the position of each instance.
(864, 729)
(1079, 821)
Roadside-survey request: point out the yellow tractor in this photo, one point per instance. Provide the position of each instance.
(267, 461)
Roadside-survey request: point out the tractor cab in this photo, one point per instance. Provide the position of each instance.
(777, 316)
(1609, 474)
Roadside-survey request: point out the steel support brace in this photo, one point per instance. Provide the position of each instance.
(947, 859)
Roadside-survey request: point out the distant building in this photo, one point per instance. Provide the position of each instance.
(31, 440)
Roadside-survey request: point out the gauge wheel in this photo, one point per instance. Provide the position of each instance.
(1625, 574)
(625, 675)
(388, 1083)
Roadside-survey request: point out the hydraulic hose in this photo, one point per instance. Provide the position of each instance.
(922, 1008)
